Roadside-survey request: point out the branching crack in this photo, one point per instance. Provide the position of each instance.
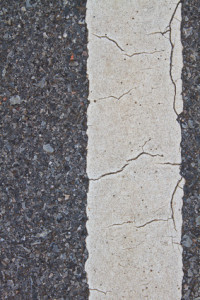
(172, 202)
(124, 166)
(160, 32)
(144, 153)
(169, 30)
(145, 144)
(100, 291)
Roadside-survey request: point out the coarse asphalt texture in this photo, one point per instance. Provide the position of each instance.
(43, 141)
(190, 145)
(43, 181)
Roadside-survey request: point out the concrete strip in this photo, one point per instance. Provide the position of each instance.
(135, 190)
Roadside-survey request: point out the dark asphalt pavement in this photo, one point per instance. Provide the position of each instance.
(43, 142)
(190, 170)
(43, 181)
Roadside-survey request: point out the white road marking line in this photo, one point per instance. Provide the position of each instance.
(135, 191)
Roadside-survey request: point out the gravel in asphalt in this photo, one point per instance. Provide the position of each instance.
(190, 123)
(43, 181)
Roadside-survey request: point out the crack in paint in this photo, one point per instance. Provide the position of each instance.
(144, 52)
(126, 54)
(100, 291)
(145, 144)
(124, 166)
(160, 32)
(144, 153)
(131, 248)
(172, 202)
(152, 221)
(176, 243)
(171, 56)
(115, 97)
(140, 226)
(109, 173)
(109, 39)
(169, 30)
(169, 163)
(120, 224)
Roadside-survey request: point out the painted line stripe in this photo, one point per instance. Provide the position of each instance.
(135, 191)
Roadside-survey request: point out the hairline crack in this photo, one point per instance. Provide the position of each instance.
(100, 291)
(172, 202)
(171, 56)
(115, 97)
(140, 226)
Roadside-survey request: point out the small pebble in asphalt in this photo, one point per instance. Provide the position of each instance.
(186, 241)
(47, 148)
(198, 221)
(15, 100)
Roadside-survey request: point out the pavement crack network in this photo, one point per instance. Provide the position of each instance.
(124, 166)
(172, 202)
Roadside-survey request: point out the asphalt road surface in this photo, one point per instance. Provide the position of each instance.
(44, 91)
(43, 142)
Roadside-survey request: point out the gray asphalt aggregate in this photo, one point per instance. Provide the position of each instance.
(43, 181)
(43, 142)
(190, 145)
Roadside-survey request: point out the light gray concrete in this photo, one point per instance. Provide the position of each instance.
(135, 190)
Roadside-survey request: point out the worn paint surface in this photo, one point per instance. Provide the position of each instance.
(135, 190)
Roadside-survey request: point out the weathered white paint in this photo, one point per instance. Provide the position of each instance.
(135, 195)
